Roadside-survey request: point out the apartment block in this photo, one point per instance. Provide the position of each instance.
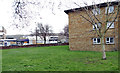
(82, 35)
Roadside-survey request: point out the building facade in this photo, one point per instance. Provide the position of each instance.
(82, 35)
(2, 35)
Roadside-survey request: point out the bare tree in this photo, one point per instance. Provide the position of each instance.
(20, 13)
(24, 13)
(95, 17)
(43, 31)
(66, 32)
(19, 8)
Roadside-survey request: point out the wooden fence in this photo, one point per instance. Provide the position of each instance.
(34, 45)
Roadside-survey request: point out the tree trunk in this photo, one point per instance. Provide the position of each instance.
(44, 40)
(103, 48)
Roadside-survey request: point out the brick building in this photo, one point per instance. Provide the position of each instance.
(82, 35)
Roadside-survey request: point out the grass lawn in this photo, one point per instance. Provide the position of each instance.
(57, 58)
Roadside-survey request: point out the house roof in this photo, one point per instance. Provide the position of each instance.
(91, 6)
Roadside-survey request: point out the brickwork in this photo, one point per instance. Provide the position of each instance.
(119, 30)
(81, 33)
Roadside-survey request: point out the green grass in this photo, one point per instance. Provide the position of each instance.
(0, 61)
(57, 58)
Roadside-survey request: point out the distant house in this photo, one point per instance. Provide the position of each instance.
(32, 39)
(53, 39)
(82, 35)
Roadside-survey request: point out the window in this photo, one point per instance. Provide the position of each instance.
(110, 40)
(1, 35)
(96, 41)
(96, 11)
(110, 9)
(97, 27)
(109, 23)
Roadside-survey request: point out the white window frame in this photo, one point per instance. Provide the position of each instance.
(95, 41)
(95, 26)
(108, 24)
(109, 41)
(99, 25)
(96, 11)
(110, 10)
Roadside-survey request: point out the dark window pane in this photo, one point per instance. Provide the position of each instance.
(94, 39)
(107, 39)
(111, 40)
(98, 40)
(50, 40)
(56, 40)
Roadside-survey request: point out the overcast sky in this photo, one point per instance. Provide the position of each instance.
(57, 20)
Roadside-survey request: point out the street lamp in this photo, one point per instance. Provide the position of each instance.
(36, 32)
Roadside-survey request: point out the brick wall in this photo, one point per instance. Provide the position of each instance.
(119, 30)
(81, 33)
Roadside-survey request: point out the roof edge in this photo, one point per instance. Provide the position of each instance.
(91, 6)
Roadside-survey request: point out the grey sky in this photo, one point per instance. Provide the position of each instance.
(57, 21)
